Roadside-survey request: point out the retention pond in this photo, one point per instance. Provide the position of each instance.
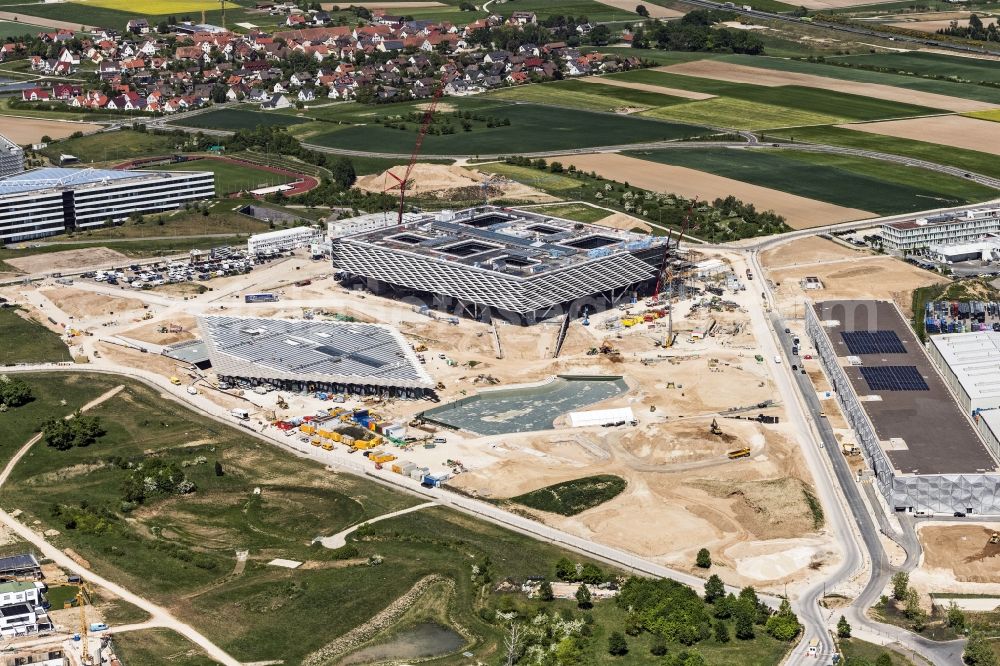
(420, 641)
(525, 408)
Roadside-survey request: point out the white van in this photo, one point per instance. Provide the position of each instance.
(777, 359)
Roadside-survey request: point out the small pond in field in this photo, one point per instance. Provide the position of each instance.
(420, 641)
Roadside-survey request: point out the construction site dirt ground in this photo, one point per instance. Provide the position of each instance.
(752, 513)
(451, 182)
(67, 260)
(958, 558)
(845, 274)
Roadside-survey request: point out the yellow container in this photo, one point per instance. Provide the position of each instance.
(325, 434)
(335, 436)
(384, 458)
(307, 428)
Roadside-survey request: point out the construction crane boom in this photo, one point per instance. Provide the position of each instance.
(84, 642)
(425, 124)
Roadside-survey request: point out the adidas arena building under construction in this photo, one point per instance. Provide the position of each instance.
(488, 262)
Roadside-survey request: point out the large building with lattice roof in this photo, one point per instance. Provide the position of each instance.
(488, 261)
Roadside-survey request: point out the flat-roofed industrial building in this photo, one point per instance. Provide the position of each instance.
(312, 355)
(926, 452)
(970, 364)
(49, 201)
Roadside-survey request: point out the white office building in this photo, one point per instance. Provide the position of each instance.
(11, 157)
(282, 240)
(985, 249)
(50, 201)
(920, 233)
(364, 223)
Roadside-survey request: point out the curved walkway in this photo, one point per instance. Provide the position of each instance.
(340, 538)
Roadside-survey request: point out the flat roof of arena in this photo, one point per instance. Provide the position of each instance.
(921, 431)
(505, 240)
(312, 350)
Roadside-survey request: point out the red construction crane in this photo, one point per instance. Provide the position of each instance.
(425, 124)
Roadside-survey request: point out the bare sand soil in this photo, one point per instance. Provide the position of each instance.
(964, 550)
(623, 221)
(68, 259)
(799, 212)
(648, 87)
(876, 277)
(956, 131)
(937, 24)
(79, 303)
(450, 182)
(25, 131)
(655, 11)
(806, 251)
(724, 71)
(151, 332)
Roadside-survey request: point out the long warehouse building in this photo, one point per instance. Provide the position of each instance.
(50, 201)
(311, 355)
(490, 261)
(924, 449)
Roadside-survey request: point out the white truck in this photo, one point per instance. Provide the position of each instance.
(777, 359)
(240, 413)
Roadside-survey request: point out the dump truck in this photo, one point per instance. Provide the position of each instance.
(176, 381)
(739, 453)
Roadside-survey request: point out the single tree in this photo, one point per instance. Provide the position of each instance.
(583, 598)
(658, 647)
(617, 645)
(721, 631)
(642, 11)
(900, 581)
(843, 628)
(978, 651)
(956, 617)
(714, 589)
(218, 468)
(545, 591)
(884, 659)
(744, 615)
(703, 559)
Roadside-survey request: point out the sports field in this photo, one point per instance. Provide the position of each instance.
(231, 177)
(532, 128)
(842, 180)
(927, 64)
(236, 119)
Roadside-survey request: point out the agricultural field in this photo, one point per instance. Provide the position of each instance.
(572, 497)
(838, 179)
(973, 160)
(26, 341)
(595, 11)
(113, 147)
(740, 114)
(158, 7)
(919, 63)
(84, 13)
(950, 88)
(231, 176)
(237, 119)
(799, 104)
(993, 116)
(531, 128)
(18, 29)
(584, 95)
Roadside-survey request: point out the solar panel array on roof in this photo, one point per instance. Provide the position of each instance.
(18, 562)
(894, 378)
(873, 342)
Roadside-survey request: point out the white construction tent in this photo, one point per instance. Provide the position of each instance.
(600, 417)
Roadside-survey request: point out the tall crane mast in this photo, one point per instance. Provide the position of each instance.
(425, 124)
(668, 273)
(84, 642)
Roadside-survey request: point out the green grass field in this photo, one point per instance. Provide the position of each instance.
(856, 650)
(740, 114)
(19, 29)
(594, 11)
(222, 219)
(587, 96)
(961, 90)
(231, 177)
(27, 341)
(532, 128)
(139, 247)
(843, 180)
(927, 64)
(151, 646)
(111, 147)
(572, 497)
(973, 160)
(235, 119)
(573, 211)
(549, 182)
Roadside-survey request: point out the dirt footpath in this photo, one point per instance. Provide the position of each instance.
(724, 71)
(799, 212)
(24, 131)
(68, 260)
(957, 131)
(648, 87)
